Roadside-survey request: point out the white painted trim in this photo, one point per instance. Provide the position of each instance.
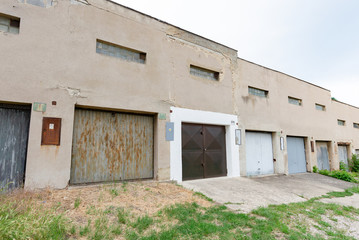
(180, 115)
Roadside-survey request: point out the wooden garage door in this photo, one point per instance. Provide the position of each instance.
(203, 151)
(111, 146)
(322, 156)
(14, 132)
(259, 153)
(296, 155)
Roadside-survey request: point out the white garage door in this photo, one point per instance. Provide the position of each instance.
(296, 155)
(259, 153)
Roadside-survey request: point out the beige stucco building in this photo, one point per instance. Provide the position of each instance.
(92, 91)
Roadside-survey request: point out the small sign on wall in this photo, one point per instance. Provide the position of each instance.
(169, 131)
(39, 107)
(238, 136)
(281, 143)
(162, 116)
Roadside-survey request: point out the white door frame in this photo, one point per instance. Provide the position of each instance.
(179, 115)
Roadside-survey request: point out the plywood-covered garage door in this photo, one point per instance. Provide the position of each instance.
(259, 153)
(111, 146)
(296, 155)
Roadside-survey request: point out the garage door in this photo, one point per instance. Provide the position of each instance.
(322, 156)
(343, 154)
(259, 153)
(111, 146)
(203, 151)
(14, 132)
(296, 155)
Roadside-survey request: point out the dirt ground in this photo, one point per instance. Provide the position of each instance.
(138, 198)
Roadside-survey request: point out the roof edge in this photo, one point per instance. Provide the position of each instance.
(334, 100)
(286, 74)
(161, 21)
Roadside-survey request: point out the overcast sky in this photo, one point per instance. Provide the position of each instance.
(314, 40)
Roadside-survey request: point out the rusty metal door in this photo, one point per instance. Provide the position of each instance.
(203, 151)
(111, 146)
(14, 132)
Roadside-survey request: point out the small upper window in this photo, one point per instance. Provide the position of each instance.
(341, 122)
(257, 92)
(9, 24)
(356, 125)
(114, 50)
(204, 73)
(319, 107)
(295, 101)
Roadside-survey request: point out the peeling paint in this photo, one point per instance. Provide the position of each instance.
(73, 92)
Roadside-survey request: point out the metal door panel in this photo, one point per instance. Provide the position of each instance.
(192, 167)
(14, 131)
(322, 156)
(215, 151)
(192, 151)
(110, 146)
(203, 151)
(259, 153)
(343, 154)
(296, 155)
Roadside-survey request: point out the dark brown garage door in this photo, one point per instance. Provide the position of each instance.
(203, 151)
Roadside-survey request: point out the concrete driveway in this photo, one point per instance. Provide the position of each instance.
(245, 194)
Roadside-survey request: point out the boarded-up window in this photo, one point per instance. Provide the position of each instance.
(319, 107)
(356, 125)
(117, 51)
(257, 92)
(9, 24)
(204, 73)
(295, 101)
(341, 122)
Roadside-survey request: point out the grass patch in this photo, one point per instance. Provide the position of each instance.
(201, 195)
(20, 220)
(311, 219)
(340, 174)
(346, 193)
(77, 202)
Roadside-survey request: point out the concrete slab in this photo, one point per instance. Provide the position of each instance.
(245, 194)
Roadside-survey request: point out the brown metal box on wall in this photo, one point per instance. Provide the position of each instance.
(51, 131)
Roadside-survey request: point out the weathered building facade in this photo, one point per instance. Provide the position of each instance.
(92, 91)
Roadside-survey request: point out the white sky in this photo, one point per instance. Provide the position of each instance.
(314, 40)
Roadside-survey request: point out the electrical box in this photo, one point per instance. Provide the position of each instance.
(169, 131)
(51, 131)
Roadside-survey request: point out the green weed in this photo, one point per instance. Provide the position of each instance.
(77, 202)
